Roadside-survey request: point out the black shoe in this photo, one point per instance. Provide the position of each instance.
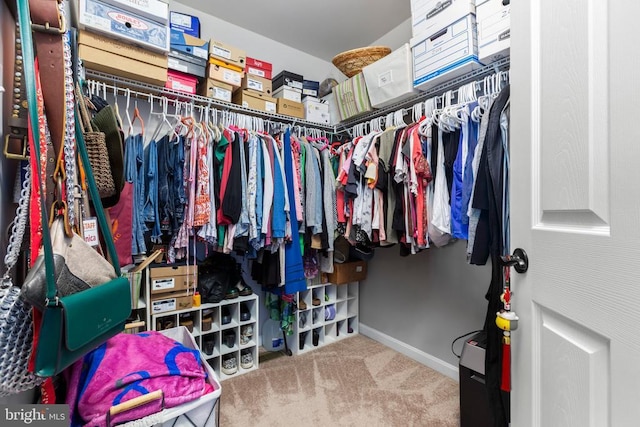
(226, 315)
(316, 338)
(245, 314)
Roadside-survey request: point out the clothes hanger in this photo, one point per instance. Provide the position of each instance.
(129, 122)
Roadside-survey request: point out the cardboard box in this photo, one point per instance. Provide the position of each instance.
(259, 68)
(256, 83)
(110, 56)
(334, 114)
(172, 301)
(173, 278)
(228, 54)
(494, 30)
(189, 44)
(446, 54)
(181, 82)
(185, 23)
(431, 16)
(215, 61)
(390, 79)
(289, 93)
(186, 63)
(316, 111)
(255, 100)
(155, 10)
(217, 90)
(225, 75)
(310, 88)
(123, 25)
(348, 272)
(290, 108)
(287, 78)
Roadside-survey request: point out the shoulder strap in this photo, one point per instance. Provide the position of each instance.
(29, 77)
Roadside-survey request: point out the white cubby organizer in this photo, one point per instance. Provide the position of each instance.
(215, 337)
(312, 320)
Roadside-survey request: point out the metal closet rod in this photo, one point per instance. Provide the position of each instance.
(150, 92)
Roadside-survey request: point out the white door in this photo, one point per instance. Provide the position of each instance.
(575, 209)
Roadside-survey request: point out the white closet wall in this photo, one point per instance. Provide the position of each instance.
(260, 47)
(396, 37)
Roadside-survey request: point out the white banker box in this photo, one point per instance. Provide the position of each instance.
(390, 79)
(446, 54)
(120, 24)
(494, 30)
(430, 16)
(155, 10)
(316, 111)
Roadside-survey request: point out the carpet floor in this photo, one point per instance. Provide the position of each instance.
(354, 382)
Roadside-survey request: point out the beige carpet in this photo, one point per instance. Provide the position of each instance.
(354, 382)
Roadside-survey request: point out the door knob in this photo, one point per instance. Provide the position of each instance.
(519, 260)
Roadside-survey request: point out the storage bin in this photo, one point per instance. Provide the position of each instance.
(352, 97)
(390, 79)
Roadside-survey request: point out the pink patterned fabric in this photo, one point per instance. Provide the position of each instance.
(128, 366)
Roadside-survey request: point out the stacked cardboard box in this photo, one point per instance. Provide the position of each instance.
(445, 40)
(172, 287)
(126, 38)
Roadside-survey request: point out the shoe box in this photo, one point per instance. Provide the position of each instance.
(348, 272)
(172, 287)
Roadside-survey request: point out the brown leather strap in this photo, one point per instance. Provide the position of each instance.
(48, 27)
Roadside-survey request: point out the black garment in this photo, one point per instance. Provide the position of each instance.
(489, 198)
(433, 161)
(232, 200)
(451, 142)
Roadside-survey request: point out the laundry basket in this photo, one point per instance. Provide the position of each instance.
(200, 412)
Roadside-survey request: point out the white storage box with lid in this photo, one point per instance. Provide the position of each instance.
(334, 115)
(494, 30)
(290, 93)
(316, 111)
(200, 412)
(389, 79)
(446, 54)
(430, 16)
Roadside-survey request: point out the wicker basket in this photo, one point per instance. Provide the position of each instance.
(352, 61)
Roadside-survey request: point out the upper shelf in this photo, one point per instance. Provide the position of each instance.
(146, 89)
(454, 83)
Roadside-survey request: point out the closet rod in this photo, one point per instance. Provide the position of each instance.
(494, 67)
(144, 90)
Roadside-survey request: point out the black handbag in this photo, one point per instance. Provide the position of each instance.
(216, 275)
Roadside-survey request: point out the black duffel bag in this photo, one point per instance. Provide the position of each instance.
(216, 275)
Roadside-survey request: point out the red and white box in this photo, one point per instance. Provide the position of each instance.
(181, 82)
(259, 68)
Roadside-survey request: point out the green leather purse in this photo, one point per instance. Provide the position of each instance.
(72, 325)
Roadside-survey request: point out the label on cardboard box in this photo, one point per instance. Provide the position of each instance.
(220, 93)
(270, 107)
(254, 84)
(222, 52)
(232, 77)
(175, 64)
(256, 72)
(164, 284)
(169, 304)
(310, 92)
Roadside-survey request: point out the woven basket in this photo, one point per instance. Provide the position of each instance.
(352, 61)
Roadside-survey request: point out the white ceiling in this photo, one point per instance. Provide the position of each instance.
(322, 28)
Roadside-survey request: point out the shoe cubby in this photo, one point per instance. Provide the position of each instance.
(331, 320)
(247, 361)
(218, 330)
(229, 365)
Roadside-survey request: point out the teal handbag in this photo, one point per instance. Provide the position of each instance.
(72, 325)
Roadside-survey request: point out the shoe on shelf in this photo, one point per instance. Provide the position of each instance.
(301, 304)
(303, 319)
(302, 338)
(207, 346)
(246, 359)
(315, 301)
(246, 333)
(229, 338)
(244, 290)
(231, 293)
(316, 338)
(229, 364)
(245, 313)
(226, 315)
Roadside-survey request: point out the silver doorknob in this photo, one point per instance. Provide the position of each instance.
(519, 260)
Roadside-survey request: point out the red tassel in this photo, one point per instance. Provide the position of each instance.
(505, 384)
